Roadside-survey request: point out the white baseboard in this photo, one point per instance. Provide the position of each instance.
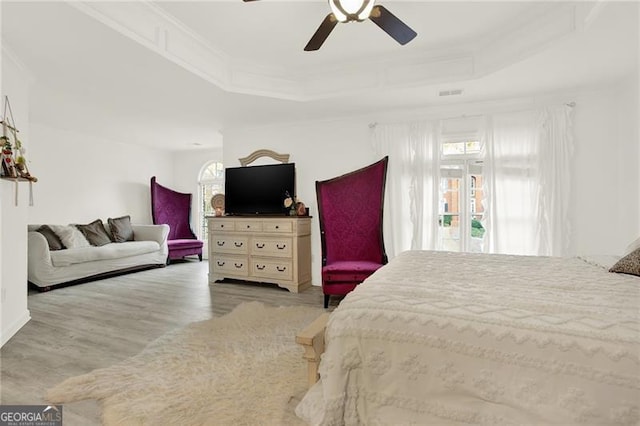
(9, 331)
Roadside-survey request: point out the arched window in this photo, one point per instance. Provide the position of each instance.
(210, 182)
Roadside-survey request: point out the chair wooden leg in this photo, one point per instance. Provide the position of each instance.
(326, 301)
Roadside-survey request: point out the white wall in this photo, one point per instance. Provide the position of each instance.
(14, 312)
(13, 231)
(82, 177)
(606, 213)
(187, 166)
(607, 186)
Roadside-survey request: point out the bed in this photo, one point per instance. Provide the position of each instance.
(454, 338)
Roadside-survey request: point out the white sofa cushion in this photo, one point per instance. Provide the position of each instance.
(107, 251)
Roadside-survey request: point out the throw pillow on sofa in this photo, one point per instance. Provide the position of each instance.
(121, 229)
(70, 236)
(52, 239)
(95, 233)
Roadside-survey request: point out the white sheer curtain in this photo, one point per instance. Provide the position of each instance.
(527, 182)
(511, 185)
(556, 149)
(411, 201)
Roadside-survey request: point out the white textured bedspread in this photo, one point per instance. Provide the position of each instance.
(455, 338)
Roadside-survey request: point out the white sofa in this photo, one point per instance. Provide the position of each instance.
(47, 268)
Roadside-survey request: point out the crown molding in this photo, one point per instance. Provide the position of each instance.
(152, 27)
(526, 39)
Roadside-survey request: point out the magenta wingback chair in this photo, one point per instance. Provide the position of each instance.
(350, 211)
(174, 209)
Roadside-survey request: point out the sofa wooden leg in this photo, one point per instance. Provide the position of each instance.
(326, 301)
(200, 257)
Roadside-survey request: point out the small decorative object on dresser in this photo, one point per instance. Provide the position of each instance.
(217, 202)
(301, 209)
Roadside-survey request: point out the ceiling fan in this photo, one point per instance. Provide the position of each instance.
(358, 11)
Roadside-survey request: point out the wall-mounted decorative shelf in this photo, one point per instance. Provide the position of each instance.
(13, 164)
(20, 179)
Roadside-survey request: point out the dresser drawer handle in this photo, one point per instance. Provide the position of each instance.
(221, 226)
(220, 243)
(281, 269)
(238, 265)
(248, 226)
(260, 245)
(220, 263)
(281, 247)
(237, 244)
(260, 267)
(277, 226)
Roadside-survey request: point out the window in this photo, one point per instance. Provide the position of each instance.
(460, 209)
(211, 182)
(466, 147)
(474, 182)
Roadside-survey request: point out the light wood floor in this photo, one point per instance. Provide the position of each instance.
(77, 329)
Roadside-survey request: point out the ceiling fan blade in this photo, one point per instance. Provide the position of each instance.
(321, 33)
(392, 25)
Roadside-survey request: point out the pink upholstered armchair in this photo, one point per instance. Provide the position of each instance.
(350, 211)
(174, 209)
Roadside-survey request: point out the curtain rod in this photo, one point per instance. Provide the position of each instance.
(373, 125)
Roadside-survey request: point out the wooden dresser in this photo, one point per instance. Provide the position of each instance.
(261, 249)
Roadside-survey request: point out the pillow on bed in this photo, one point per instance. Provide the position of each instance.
(70, 236)
(121, 229)
(630, 264)
(95, 233)
(52, 239)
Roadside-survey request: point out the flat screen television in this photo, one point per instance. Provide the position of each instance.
(255, 190)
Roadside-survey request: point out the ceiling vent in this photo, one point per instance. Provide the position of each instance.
(454, 92)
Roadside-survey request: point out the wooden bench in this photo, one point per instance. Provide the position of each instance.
(312, 340)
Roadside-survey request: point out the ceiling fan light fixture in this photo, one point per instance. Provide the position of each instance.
(351, 10)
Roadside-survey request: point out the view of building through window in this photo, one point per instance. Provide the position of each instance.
(211, 182)
(461, 148)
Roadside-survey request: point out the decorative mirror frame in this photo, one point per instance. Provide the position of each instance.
(245, 161)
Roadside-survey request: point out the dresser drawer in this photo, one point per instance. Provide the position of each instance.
(221, 225)
(265, 246)
(236, 244)
(230, 265)
(270, 268)
(278, 226)
(249, 226)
